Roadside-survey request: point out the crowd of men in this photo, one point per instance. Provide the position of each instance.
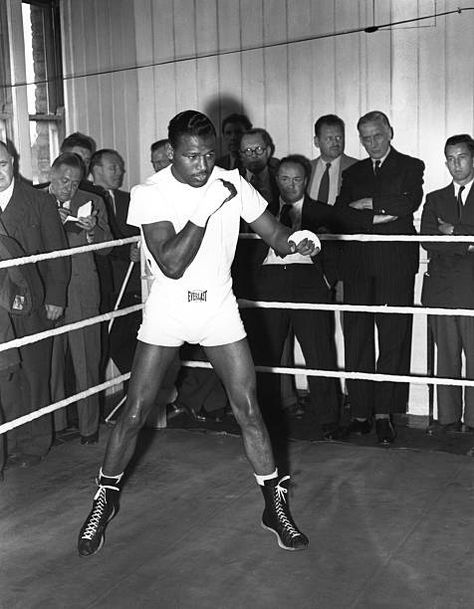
(83, 203)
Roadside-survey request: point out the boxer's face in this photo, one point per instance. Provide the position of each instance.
(193, 159)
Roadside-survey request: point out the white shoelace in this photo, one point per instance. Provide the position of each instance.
(281, 492)
(97, 512)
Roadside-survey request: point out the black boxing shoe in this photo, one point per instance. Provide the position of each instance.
(104, 507)
(277, 517)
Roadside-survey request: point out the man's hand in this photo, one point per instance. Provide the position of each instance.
(365, 203)
(215, 195)
(304, 242)
(63, 214)
(445, 228)
(53, 312)
(88, 222)
(383, 218)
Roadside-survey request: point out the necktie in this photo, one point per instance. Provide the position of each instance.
(460, 205)
(285, 215)
(376, 167)
(323, 193)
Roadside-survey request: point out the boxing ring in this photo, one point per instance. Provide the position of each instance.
(414, 379)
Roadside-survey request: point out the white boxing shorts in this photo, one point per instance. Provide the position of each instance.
(208, 316)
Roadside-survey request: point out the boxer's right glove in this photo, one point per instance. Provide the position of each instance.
(215, 195)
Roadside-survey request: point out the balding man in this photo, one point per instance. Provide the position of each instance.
(30, 217)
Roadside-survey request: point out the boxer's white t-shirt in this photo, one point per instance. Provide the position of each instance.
(164, 198)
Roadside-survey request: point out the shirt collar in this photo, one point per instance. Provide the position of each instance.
(382, 160)
(334, 162)
(294, 204)
(6, 195)
(467, 188)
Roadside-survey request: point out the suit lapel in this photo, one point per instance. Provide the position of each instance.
(17, 207)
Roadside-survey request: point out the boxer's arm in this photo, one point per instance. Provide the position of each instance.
(276, 235)
(173, 252)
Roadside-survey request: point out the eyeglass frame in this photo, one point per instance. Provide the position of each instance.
(250, 152)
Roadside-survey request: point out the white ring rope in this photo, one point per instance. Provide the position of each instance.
(62, 403)
(72, 251)
(244, 304)
(34, 338)
(309, 306)
(357, 376)
(245, 236)
(389, 238)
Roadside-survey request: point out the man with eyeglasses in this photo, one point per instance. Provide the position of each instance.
(256, 154)
(258, 168)
(297, 278)
(379, 195)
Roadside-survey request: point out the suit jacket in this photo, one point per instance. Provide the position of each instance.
(84, 284)
(449, 280)
(346, 161)
(31, 218)
(397, 190)
(121, 255)
(320, 217)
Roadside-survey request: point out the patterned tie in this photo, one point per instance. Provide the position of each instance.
(460, 205)
(323, 193)
(376, 167)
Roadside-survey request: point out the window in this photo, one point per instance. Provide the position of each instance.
(45, 85)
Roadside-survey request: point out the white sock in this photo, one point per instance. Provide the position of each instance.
(261, 479)
(117, 478)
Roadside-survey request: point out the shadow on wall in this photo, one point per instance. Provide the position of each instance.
(220, 107)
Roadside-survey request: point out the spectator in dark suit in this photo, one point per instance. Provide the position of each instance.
(84, 346)
(449, 281)
(108, 168)
(259, 168)
(30, 217)
(379, 195)
(256, 154)
(233, 127)
(297, 279)
(159, 154)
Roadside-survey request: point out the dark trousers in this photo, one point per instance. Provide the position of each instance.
(392, 354)
(10, 394)
(32, 438)
(453, 336)
(267, 330)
